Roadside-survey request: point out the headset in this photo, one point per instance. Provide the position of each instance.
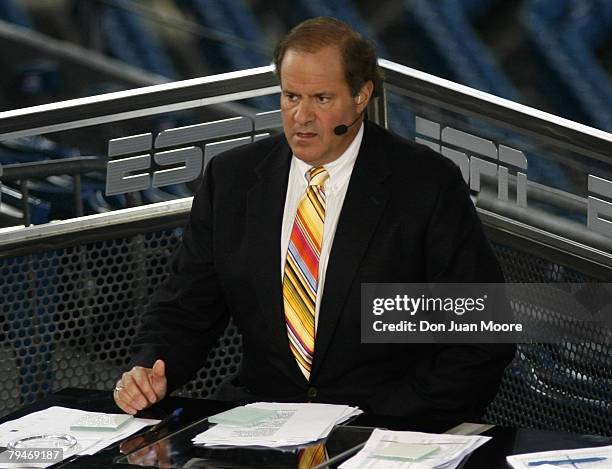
(343, 128)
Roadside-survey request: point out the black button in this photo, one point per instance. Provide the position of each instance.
(312, 392)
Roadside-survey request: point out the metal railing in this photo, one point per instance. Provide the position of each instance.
(75, 167)
(427, 91)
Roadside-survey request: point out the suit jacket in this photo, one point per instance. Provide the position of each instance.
(407, 217)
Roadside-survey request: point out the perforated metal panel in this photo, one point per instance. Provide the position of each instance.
(222, 361)
(68, 317)
(566, 387)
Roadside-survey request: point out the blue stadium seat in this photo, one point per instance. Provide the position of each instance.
(558, 29)
(57, 191)
(585, 29)
(448, 30)
(11, 12)
(476, 8)
(233, 18)
(12, 215)
(129, 40)
(34, 148)
(594, 22)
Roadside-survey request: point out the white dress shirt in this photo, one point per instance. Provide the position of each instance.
(340, 171)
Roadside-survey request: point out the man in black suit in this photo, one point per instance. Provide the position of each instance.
(389, 211)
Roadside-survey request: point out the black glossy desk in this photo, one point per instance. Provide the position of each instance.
(169, 446)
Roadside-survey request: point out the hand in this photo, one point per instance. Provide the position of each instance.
(141, 387)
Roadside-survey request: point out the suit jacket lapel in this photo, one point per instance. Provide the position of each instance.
(265, 206)
(365, 200)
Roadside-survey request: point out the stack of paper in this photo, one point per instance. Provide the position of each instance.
(58, 420)
(288, 425)
(598, 457)
(399, 450)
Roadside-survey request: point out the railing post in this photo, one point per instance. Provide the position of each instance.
(78, 199)
(377, 109)
(25, 195)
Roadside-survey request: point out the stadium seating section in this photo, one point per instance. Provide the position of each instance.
(449, 38)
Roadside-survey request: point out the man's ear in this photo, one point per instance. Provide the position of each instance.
(363, 97)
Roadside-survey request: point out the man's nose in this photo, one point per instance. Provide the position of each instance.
(304, 113)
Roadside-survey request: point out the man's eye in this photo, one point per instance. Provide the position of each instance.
(291, 97)
(323, 99)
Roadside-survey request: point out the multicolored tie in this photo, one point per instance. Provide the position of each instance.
(312, 456)
(301, 276)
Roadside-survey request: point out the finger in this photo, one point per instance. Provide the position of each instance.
(142, 379)
(131, 392)
(122, 404)
(116, 397)
(127, 408)
(159, 369)
(158, 379)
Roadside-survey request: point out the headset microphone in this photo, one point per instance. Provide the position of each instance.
(343, 128)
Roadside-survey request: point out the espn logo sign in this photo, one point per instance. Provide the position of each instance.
(180, 154)
(477, 156)
(496, 161)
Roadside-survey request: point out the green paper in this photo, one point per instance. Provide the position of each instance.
(241, 416)
(101, 422)
(407, 451)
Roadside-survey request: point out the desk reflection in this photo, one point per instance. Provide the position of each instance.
(312, 456)
(154, 455)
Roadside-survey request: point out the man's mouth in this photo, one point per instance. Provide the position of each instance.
(305, 134)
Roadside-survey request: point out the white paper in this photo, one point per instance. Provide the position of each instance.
(57, 420)
(453, 449)
(292, 424)
(521, 461)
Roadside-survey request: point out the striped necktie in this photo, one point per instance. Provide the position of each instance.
(312, 456)
(301, 276)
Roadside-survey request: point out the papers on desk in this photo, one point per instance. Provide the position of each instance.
(583, 458)
(58, 420)
(289, 425)
(414, 450)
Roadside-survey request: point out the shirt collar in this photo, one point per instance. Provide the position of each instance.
(340, 169)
